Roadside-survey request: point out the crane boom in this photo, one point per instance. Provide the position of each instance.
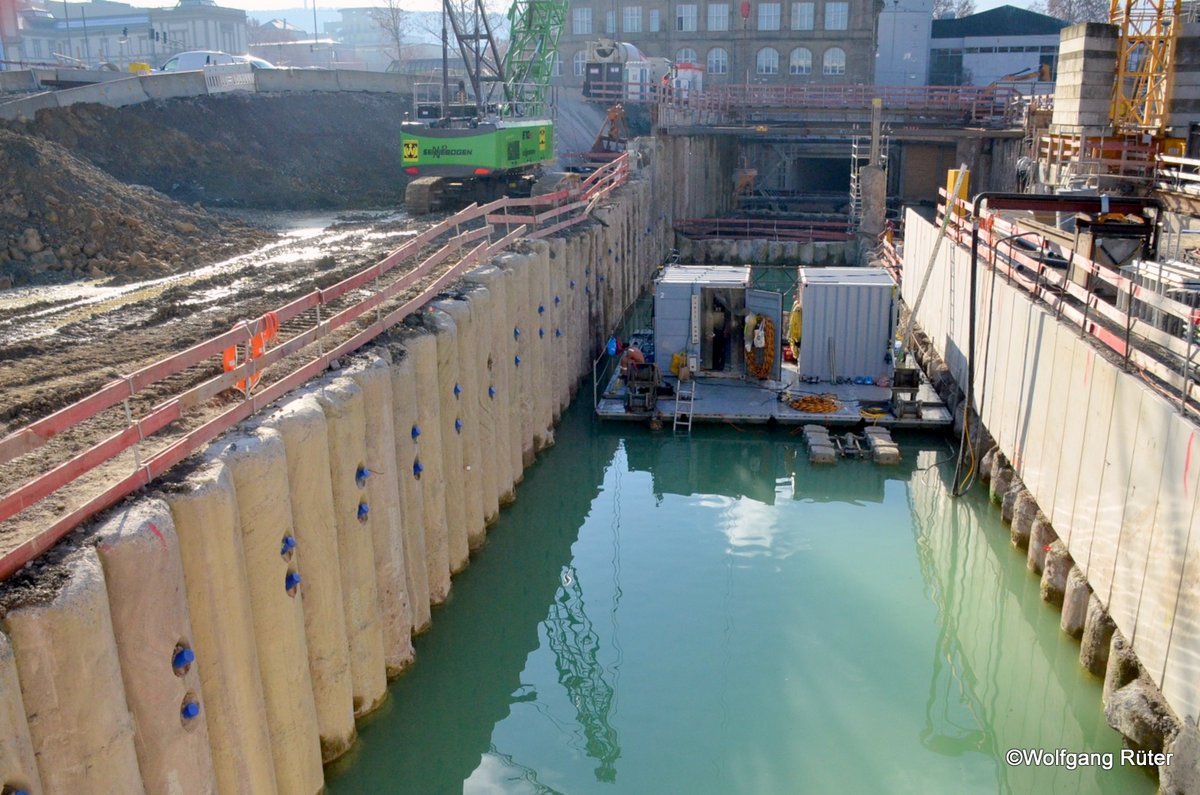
(1145, 64)
(529, 63)
(483, 147)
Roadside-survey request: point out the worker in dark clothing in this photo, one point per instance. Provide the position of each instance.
(722, 328)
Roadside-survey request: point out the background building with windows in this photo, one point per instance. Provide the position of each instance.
(118, 33)
(984, 48)
(781, 42)
(902, 54)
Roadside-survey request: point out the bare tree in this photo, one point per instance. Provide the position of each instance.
(393, 21)
(1074, 10)
(957, 8)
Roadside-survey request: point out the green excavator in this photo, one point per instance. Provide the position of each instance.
(488, 135)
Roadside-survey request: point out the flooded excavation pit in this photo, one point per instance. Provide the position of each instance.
(713, 614)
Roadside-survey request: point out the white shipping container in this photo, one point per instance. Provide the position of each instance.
(848, 323)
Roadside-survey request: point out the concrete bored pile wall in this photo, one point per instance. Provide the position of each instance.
(1092, 469)
(222, 634)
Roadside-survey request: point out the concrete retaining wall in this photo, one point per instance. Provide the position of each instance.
(82, 734)
(206, 518)
(116, 90)
(143, 573)
(763, 252)
(294, 561)
(1107, 459)
(300, 422)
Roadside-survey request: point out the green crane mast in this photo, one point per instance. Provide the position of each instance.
(478, 146)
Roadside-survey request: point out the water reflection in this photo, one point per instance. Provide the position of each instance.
(714, 615)
(573, 639)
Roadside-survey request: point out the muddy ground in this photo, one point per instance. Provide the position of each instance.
(117, 247)
(91, 192)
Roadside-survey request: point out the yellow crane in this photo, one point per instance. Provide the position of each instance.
(1145, 65)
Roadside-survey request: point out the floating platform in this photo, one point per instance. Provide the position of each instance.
(725, 398)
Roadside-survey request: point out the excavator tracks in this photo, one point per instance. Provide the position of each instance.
(423, 195)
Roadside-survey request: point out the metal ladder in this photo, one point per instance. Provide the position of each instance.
(684, 397)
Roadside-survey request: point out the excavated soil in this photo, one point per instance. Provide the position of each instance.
(117, 247)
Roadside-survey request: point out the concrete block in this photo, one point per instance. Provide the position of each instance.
(1075, 603)
(204, 508)
(1008, 503)
(16, 749)
(512, 374)
(1001, 483)
(173, 85)
(539, 344)
(296, 80)
(374, 378)
(82, 734)
(1054, 576)
(344, 406)
(822, 454)
(1182, 775)
(489, 415)
(406, 428)
(466, 427)
(429, 461)
(1122, 666)
(887, 454)
(495, 394)
(143, 574)
(26, 108)
(1025, 509)
(1098, 631)
(1140, 714)
(13, 80)
(301, 425)
(114, 94)
(377, 82)
(448, 389)
(258, 464)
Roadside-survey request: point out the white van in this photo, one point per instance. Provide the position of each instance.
(196, 59)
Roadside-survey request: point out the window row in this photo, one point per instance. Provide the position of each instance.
(1042, 50)
(800, 61)
(835, 15)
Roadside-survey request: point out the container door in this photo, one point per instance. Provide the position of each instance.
(769, 304)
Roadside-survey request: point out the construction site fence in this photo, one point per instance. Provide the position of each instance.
(470, 236)
(1104, 304)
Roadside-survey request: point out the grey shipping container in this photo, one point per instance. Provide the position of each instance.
(848, 323)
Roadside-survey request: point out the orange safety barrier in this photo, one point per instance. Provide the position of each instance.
(473, 246)
(258, 344)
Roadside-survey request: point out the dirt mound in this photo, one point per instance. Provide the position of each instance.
(267, 151)
(62, 218)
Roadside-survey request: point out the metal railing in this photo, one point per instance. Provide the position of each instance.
(764, 228)
(1091, 297)
(348, 322)
(978, 105)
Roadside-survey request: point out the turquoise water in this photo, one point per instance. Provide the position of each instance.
(715, 616)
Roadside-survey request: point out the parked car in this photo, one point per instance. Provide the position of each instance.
(254, 61)
(196, 59)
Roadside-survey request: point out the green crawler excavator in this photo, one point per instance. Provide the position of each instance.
(489, 138)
